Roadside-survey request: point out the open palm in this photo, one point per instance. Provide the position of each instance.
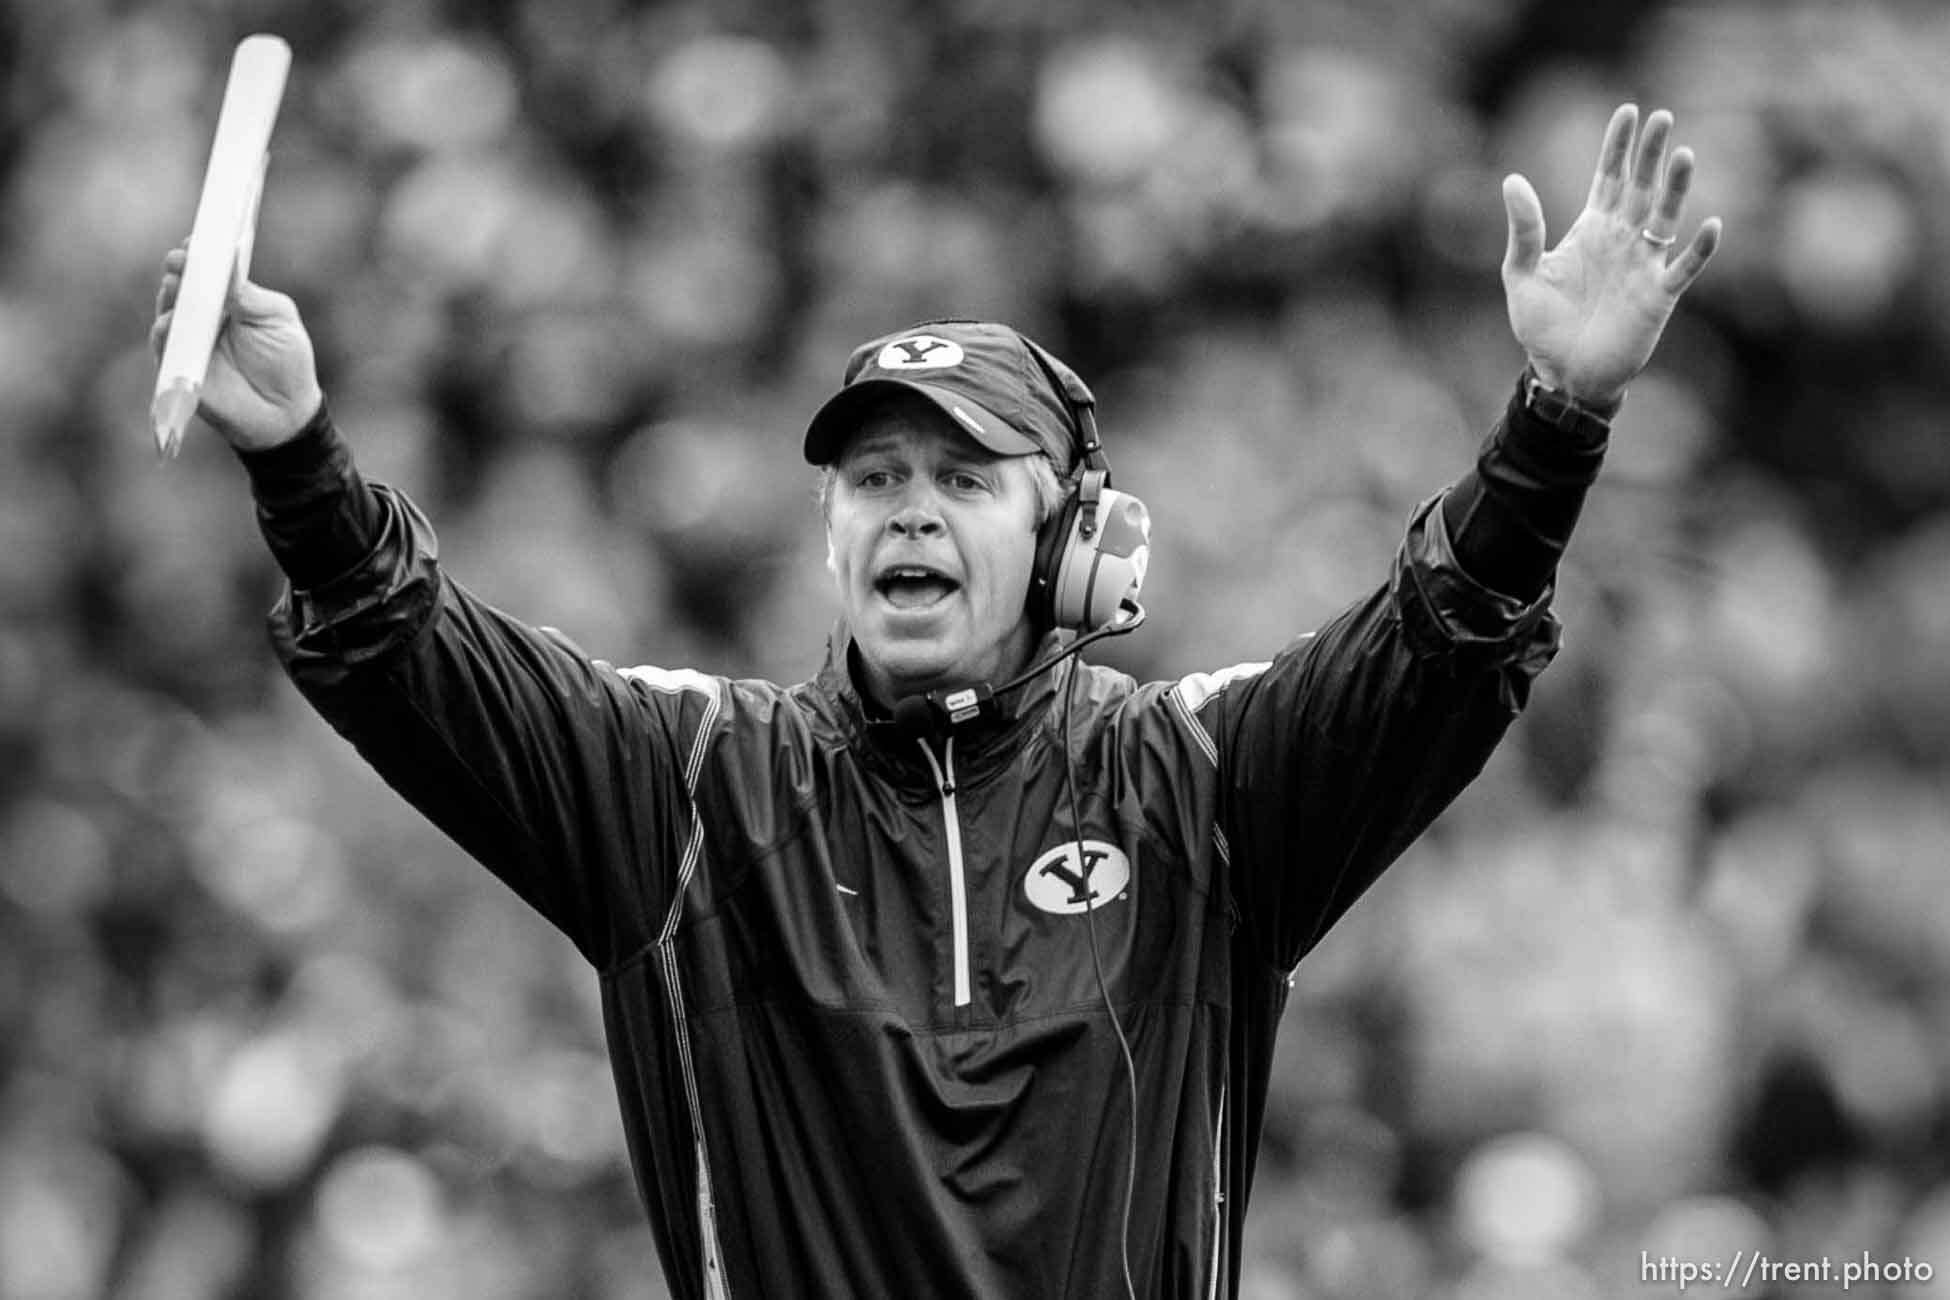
(1589, 311)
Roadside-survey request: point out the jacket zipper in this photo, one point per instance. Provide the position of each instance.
(944, 782)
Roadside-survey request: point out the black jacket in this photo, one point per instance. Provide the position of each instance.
(853, 1015)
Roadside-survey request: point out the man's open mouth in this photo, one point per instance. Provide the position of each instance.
(908, 586)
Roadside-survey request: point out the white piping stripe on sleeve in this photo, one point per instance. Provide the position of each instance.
(1196, 688)
(687, 867)
(675, 681)
(672, 679)
(1218, 1196)
(715, 1285)
(1219, 843)
(1189, 694)
(1195, 727)
(693, 769)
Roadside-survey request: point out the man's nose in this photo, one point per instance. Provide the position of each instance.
(918, 515)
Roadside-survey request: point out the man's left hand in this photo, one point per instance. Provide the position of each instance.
(1590, 311)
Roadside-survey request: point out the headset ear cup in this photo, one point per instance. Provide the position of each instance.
(1097, 576)
(1080, 583)
(1052, 545)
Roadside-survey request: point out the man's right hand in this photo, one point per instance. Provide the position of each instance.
(261, 386)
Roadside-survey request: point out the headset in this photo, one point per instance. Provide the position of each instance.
(1092, 551)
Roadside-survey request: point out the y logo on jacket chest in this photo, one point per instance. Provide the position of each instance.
(1066, 880)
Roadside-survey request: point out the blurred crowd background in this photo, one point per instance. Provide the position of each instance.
(1673, 979)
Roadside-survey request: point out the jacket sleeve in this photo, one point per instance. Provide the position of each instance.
(1335, 756)
(563, 776)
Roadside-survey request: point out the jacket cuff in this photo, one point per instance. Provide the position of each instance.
(1510, 517)
(319, 517)
(1554, 455)
(293, 471)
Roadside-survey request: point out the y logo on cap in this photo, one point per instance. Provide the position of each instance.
(920, 352)
(1065, 880)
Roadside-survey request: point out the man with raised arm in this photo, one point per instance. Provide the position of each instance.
(955, 971)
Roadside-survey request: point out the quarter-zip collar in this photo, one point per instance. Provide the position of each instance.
(981, 748)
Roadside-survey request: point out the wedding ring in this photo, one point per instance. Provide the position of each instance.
(1658, 241)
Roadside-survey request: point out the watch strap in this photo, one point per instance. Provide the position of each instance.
(1560, 410)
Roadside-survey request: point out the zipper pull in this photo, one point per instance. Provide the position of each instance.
(943, 766)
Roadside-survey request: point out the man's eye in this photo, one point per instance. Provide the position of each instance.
(872, 478)
(964, 481)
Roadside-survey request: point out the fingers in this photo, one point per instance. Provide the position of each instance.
(1683, 265)
(1679, 180)
(172, 279)
(1526, 218)
(1648, 167)
(1609, 181)
(1687, 265)
(1651, 196)
(159, 333)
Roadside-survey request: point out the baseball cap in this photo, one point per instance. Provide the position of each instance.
(983, 375)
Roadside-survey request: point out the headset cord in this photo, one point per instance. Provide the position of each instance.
(1118, 628)
(1097, 961)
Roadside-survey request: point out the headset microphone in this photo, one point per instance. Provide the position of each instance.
(944, 710)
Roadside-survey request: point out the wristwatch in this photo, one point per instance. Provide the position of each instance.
(1562, 411)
